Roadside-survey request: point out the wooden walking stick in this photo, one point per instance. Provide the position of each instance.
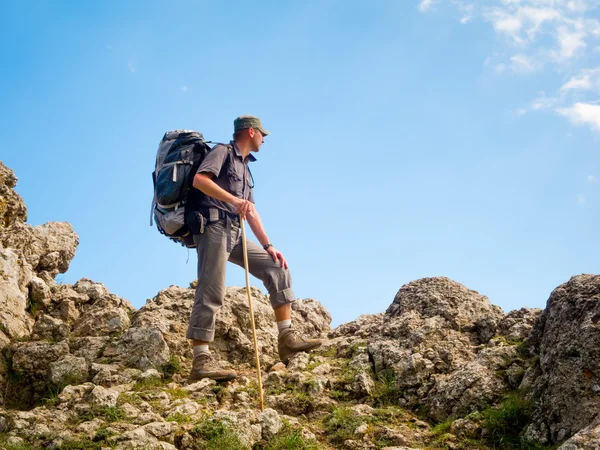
(245, 250)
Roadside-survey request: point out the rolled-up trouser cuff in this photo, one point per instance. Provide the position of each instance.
(200, 334)
(282, 298)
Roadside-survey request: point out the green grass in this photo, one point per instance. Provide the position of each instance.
(386, 391)
(128, 397)
(109, 413)
(341, 424)
(177, 393)
(288, 439)
(148, 384)
(216, 435)
(179, 418)
(172, 367)
(505, 423)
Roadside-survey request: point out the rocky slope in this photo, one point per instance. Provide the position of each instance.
(442, 368)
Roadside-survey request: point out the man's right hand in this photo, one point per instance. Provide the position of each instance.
(242, 207)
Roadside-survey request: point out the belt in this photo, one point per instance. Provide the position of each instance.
(213, 215)
(216, 214)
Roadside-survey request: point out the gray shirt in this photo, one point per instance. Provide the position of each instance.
(231, 174)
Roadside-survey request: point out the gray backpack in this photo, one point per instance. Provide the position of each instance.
(179, 155)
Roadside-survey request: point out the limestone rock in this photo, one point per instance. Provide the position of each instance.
(49, 328)
(586, 439)
(14, 320)
(462, 309)
(170, 310)
(270, 423)
(140, 348)
(34, 358)
(12, 207)
(48, 249)
(102, 398)
(68, 370)
(567, 338)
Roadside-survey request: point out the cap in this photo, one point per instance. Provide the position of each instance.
(247, 121)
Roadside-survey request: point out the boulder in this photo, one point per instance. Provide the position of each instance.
(567, 339)
(12, 207)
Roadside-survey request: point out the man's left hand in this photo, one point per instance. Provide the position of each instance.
(277, 256)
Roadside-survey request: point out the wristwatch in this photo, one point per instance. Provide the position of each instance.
(266, 246)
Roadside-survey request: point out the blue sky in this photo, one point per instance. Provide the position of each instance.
(409, 139)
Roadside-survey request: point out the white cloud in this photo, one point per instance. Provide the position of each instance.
(131, 67)
(425, 5)
(580, 199)
(184, 88)
(581, 82)
(521, 64)
(592, 179)
(544, 34)
(586, 80)
(582, 114)
(569, 43)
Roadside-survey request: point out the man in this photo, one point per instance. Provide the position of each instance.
(224, 179)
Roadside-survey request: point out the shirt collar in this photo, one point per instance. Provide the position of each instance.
(251, 157)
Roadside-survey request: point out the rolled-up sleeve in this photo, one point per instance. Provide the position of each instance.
(214, 160)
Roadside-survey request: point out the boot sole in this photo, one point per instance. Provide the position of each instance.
(216, 378)
(308, 349)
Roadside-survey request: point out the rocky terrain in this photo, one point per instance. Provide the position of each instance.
(442, 368)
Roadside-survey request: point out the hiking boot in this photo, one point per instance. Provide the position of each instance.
(204, 367)
(290, 343)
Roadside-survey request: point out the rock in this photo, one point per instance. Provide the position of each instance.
(366, 325)
(102, 316)
(517, 324)
(68, 370)
(48, 249)
(12, 207)
(298, 362)
(89, 347)
(91, 427)
(169, 312)
(270, 423)
(103, 398)
(141, 348)
(586, 439)
(15, 321)
(567, 337)
(33, 359)
(48, 328)
(475, 384)
(462, 309)
(150, 373)
(39, 292)
(431, 332)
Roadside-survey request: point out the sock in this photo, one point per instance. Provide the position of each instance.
(283, 324)
(201, 349)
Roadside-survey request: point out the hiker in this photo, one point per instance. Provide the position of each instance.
(225, 180)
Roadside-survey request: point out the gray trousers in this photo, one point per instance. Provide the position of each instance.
(214, 249)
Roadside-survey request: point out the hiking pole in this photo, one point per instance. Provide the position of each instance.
(245, 250)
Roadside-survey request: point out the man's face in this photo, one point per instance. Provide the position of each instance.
(257, 139)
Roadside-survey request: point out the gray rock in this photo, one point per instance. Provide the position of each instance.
(102, 397)
(15, 321)
(49, 328)
(586, 439)
(141, 348)
(567, 337)
(169, 312)
(69, 370)
(12, 207)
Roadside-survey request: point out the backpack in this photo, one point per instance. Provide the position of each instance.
(179, 155)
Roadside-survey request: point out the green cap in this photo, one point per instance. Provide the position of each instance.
(243, 122)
